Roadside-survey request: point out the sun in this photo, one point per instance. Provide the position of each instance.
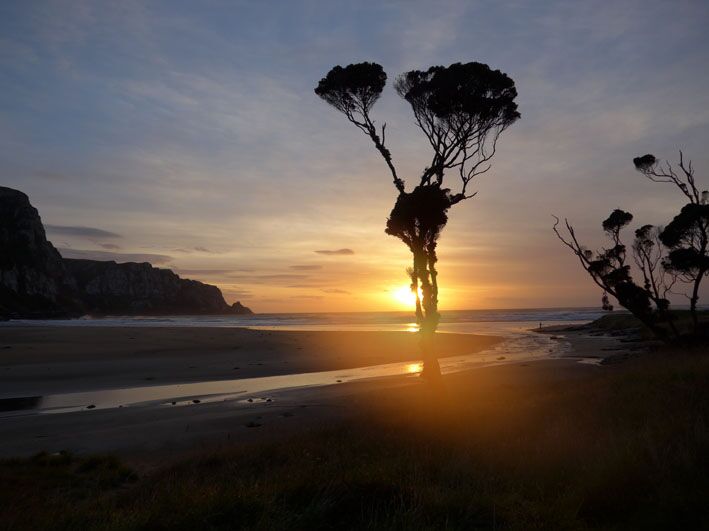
(404, 296)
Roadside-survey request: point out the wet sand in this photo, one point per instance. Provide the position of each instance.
(58, 360)
(156, 435)
(596, 345)
(48, 360)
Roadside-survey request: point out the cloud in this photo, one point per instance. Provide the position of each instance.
(279, 278)
(206, 272)
(110, 246)
(198, 248)
(336, 252)
(236, 293)
(335, 290)
(82, 232)
(307, 297)
(306, 267)
(155, 259)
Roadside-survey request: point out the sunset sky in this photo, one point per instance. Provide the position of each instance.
(188, 135)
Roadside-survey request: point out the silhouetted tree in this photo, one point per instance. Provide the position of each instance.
(610, 271)
(658, 279)
(685, 238)
(687, 235)
(462, 109)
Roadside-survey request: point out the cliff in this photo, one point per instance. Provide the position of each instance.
(36, 282)
(33, 279)
(111, 288)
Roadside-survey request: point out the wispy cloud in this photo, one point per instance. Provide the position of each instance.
(341, 252)
(275, 279)
(155, 259)
(311, 267)
(206, 272)
(237, 293)
(81, 232)
(335, 291)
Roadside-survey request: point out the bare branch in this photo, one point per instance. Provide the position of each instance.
(657, 172)
(461, 109)
(353, 91)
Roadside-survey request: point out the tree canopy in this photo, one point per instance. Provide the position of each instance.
(462, 109)
(353, 89)
(686, 237)
(419, 216)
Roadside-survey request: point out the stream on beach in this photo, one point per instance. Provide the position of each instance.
(520, 345)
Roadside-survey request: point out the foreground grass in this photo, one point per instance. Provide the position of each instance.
(625, 448)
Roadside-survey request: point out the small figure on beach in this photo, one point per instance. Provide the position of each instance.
(540, 325)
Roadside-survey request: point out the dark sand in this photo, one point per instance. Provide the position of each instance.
(48, 360)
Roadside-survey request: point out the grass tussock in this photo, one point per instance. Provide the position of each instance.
(625, 448)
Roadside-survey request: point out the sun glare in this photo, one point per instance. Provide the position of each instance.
(404, 296)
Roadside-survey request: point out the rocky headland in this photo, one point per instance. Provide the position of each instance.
(37, 282)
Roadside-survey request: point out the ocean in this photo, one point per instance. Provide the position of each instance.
(459, 321)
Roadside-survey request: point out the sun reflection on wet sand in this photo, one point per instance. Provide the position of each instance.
(413, 368)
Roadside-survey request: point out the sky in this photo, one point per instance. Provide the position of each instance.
(187, 134)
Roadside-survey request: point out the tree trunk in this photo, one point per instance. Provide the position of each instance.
(415, 290)
(426, 275)
(693, 301)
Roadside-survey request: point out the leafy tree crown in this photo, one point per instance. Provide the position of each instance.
(461, 95)
(354, 88)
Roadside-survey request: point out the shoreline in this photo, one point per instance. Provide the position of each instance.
(54, 360)
(51, 360)
(607, 345)
(45, 361)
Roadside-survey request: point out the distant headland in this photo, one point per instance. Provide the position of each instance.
(37, 282)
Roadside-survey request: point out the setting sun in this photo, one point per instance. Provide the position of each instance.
(404, 296)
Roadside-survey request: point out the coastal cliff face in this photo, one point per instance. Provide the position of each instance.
(108, 287)
(33, 279)
(36, 282)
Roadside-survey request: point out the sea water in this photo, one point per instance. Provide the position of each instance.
(459, 321)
